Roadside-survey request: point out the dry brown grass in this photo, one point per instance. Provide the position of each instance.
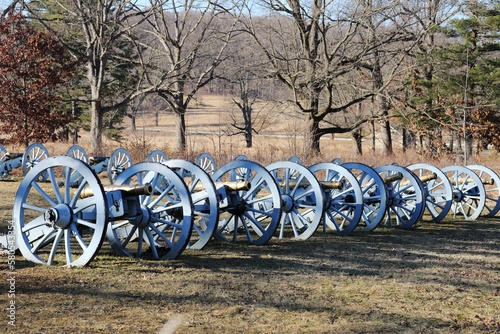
(280, 138)
(433, 279)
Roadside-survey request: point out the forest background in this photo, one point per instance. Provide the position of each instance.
(393, 76)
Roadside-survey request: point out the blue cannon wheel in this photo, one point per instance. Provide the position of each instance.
(405, 201)
(32, 156)
(206, 162)
(118, 161)
(344, 205)
(163, 227)
(251, 215)
(205, 201)
(156, 156)
(469, 195)
(53, 224)
(491, 183)
(374, 194)
(302, 198)
(438, 192)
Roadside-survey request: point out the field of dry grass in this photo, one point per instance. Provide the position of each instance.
(279, 138)
(437, 278)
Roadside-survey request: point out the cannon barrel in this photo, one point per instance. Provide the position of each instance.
(229, 185)
(145, 189)
(11, 156)
(332, 184)
(96, 159)
(392, 178)
(423, 179)
(429, 177)
(235, 185)
(489, 181)
(389, 179)
(304, 183)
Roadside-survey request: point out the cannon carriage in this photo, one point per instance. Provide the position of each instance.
(113, 164)
(33, 154)
(156, 209)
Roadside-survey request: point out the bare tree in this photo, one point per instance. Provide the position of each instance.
(93, 30)
(186, 42)
(244, 72)
(9, 9)
(310, 46)
(384, 31)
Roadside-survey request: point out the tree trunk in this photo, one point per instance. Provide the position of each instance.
(312, 137)
(74, 115)
(374, 138)
(404, 139)
(382, 107)
(132, 123)
(248, 128)
(96, 128)
(180, 130)
(26, 132)
(356, 134)
(469, 145)
(386, 137)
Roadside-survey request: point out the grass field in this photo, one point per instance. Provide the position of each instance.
(436, 278)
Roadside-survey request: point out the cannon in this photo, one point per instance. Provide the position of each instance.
(251, 214)
(344, 201)
(162, 227)
(115, 164)
(62, 212)
(237, 205)
(33, 155)
(405, 201)
(57, 222)
(302, 199)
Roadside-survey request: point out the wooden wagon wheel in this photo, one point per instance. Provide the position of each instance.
(344, 202)
(51, 219)
(252, 214)
(162, 228)
(302, 198)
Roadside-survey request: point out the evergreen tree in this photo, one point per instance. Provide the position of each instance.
(471, 85)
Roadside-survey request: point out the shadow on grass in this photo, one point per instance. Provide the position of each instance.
(279, 275)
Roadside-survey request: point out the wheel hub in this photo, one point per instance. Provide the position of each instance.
(287, 203)
(350, 199)
(457, 196)
(60, 216)
(239, 208)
